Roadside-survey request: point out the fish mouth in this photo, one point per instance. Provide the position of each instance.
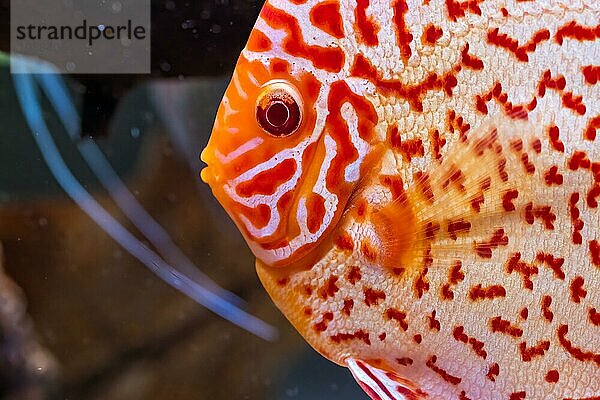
(207, 173)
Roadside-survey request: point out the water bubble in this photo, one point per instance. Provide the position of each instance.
(188, 24)
(148, 116)
(116, 7)
(165, 66)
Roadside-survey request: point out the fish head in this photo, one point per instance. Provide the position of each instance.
(287, 151)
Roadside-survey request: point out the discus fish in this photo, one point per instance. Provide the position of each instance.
(419, 181)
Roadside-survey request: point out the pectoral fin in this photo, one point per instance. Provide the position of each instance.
(381, 384)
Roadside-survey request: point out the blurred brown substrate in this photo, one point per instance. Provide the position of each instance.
(26, 368)
(116, 330)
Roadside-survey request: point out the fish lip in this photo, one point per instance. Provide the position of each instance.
(207, 172)
(205, 175)
(204, 155)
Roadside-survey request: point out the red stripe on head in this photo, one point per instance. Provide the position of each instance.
(366, 28)
(315, 207)
(268, 181)
(326, 16)
(326, 58)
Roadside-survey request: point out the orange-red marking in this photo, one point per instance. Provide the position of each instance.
(403, 35)
(578, 353)
(577, 290)
(421, 283)
(445, 375)
(326, 16)
(348, 305)
(529, 353)
(555, 264)
(366, 28)
(594, 316)
(330, 288)
(595, 252)
(590, 129)
(484, 249)
(353, 275)
(393, 314)
(259, 42)
(552, 376)
(479, 292)
(573, 30)
(546, 313)
(267, 182)
(555, 142)
(591, 73)
(497, 324)
(457, 9)
(357, 335)
(321, 326)
(344, 242)
(470, 61)
(327, 58)
(493, 372)
(434, 324)
(431, 34)
(459, 334)
(373, 296)
(520, 51)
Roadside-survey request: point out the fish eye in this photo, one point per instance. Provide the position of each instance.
(279, 109)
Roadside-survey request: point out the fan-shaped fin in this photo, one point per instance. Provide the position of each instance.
(485, 181)
(381, 384)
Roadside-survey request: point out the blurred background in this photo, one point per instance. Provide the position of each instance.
(80, 318)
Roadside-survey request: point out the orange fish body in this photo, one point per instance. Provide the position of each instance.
(419, 181)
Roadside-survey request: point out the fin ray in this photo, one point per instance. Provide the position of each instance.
(381, 384)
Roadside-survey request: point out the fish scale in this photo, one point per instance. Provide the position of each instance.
(438, 231)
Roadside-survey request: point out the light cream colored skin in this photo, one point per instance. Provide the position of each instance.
(466, 256)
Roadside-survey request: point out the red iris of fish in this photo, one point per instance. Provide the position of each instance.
(279, 115)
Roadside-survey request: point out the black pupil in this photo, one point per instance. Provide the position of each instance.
(278, 114)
